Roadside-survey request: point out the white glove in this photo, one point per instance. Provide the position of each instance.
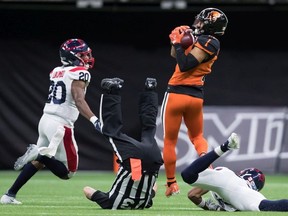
(97, 124)
(213, 206)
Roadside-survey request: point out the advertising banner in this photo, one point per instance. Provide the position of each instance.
(262, 132)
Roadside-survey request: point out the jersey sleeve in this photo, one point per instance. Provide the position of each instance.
(208, 44)
(80, 73)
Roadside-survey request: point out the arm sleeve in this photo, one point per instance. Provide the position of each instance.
(185, 62)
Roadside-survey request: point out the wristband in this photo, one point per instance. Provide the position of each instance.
(202, 203)
(93, 119)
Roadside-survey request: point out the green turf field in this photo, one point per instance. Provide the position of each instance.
(47, 195)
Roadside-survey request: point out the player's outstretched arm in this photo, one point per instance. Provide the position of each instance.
(78, 93)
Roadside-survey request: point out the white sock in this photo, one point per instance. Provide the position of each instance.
(218, 151)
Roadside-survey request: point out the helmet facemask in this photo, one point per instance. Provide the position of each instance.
(86, 58)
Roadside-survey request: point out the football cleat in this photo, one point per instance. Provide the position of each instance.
(233, 141)
(30, 154)
(173, 189)
(5, 199)
(112, 83)
(151, 83)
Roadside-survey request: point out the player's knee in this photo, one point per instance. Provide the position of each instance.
(185, 176)
(67, 176)
(70, 175)
(38, 165)
(188, 177)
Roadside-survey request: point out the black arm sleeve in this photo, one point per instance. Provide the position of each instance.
(185, 62)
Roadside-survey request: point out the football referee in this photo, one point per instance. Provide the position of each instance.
(139, 161)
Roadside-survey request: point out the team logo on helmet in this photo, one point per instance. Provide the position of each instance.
(214, 22)
(213, 16)
(75, 45)
(77, 53)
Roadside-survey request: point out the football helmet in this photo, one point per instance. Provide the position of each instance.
(75, 52)
(211, 21)
(254, 177)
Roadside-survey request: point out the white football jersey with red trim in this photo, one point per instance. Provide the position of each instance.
(60, 101)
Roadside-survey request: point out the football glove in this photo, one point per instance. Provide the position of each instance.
(184, 27)
(97, 124)
(212, 206)
(177, 34)
(219, 201)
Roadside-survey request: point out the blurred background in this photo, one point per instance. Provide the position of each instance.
(246, 92)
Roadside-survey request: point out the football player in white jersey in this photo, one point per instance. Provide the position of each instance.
(56, 147)
(230, 191)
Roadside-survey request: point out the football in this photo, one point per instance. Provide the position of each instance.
(187, 39)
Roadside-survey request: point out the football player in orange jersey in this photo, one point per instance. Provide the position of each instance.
(184, 96)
